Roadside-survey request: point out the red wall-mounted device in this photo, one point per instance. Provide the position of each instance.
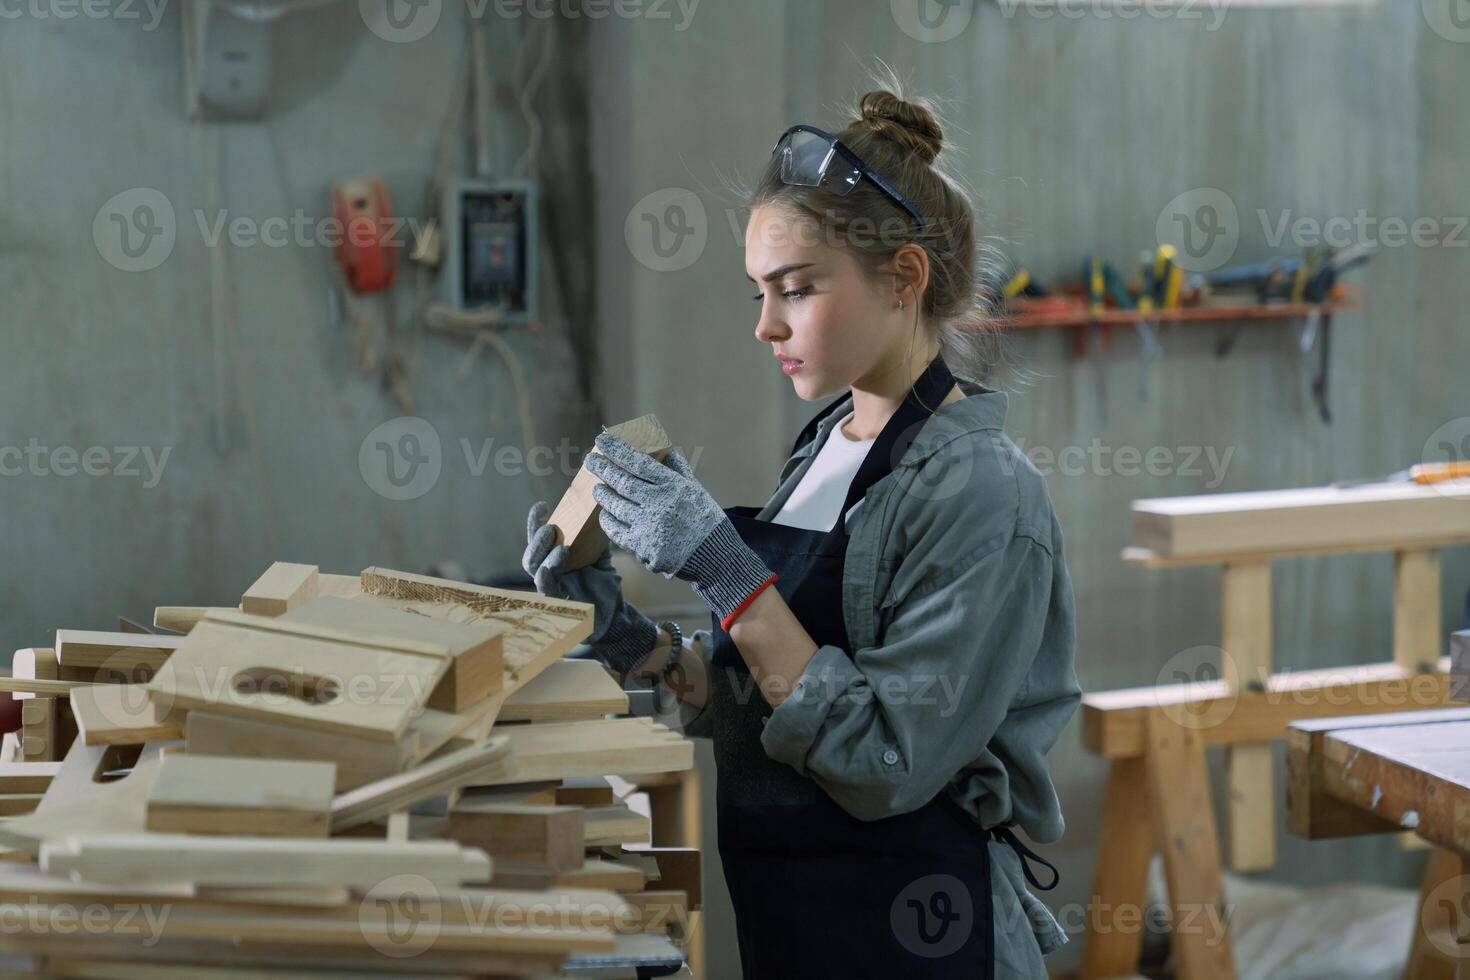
(366, 250)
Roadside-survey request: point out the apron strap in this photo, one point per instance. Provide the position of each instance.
(1006, 835)
(898, 434)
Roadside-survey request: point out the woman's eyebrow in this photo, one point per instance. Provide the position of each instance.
(778, 273)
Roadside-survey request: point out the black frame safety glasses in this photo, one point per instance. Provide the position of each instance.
(808, 155)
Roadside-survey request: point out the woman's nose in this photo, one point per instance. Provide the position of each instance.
(769, 328)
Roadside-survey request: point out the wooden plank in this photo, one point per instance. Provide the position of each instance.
(596, 872)
(123, 714)
(546, 837)
(1112, 721)
(677, 868)
(1386, 516)
(282, 586)
(15, 804)
(477, 647)
(219, 795)
(576, 515)
(1311, 811)
(358, 760)
(182, 619)
(126, 652)
(143, 858)
(620, 746)
(568, 690)
(615, 824)
(1418, 637)
(1180, 789)
(38, 730)
(27, 777)
(1120, 877)
(76, 803)
(41, 688)
(493, 761)
(1245, 629)
(325, 679)
(586, 791)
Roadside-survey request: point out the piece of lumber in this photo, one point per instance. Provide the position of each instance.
(124, 652)
(76, 802)
(542, 629)
(1277, 522)
(477, 647)
(200, 794)
(568, 690)
(33, 663)
(341, 586)
(14, 804)
(238, 860)
(595, 872)
(1418, 639)
(576, 515)
(123, 714)
(661, 910)
(27, 777)
(547, 837)
(1311, 811)
(182, 619)
(586, 791)
(1245, 631)
(617, 746)
(677, 869)
(1112, 721)
(1180, 789)
(358, 760)
(493, 761)
(1113, 940)
(41, 688)
(284, 585)
(326, 679)
(38, 730)
(615, 824)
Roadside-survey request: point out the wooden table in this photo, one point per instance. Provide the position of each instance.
(1383, 774)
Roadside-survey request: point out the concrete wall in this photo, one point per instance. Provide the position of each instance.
(1078, 133)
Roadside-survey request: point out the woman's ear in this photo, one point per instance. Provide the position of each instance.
(910, 268)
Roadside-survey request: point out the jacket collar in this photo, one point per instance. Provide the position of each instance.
(982, 408)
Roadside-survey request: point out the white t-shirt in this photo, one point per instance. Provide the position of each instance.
(815, 501)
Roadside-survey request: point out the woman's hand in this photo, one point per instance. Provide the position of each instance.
(663, 515)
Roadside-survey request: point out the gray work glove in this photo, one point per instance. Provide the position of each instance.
(621, 634)
(664, 516)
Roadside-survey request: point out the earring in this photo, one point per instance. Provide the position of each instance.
(900, 304)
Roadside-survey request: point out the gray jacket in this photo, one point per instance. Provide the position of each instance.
(960, 613)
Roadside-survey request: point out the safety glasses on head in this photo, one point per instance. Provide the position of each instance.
(809, 157)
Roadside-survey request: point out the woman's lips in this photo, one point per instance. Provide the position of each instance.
(790, 365)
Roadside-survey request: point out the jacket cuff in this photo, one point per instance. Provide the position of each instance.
(628, 639)
(789, 732)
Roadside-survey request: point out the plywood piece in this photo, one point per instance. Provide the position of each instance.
(548, 837)
(143, 858)
(567, 690)
(493, 761)
(76, 802)
(477, 647)
(282, 586)
(358, 760)
(620, 746)
(219, 795)
(576, 515)
(123, 714)
(124, 652)
(542, 629)
(320, 678)
(1381, 516)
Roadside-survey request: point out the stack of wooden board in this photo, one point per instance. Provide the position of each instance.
(383, 773)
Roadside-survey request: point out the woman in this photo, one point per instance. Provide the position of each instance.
(891, 656)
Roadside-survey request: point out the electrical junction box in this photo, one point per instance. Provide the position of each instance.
(490, 248)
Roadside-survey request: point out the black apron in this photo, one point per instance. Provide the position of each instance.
(816, 891)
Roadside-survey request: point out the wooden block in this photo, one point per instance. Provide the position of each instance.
(620, 746)
(123, 714)
(340, 586)
(1315, 519)
(568, 690)
(38, 730)
(320, 678)
(595, 872)
(493, 761)
(119, 651)
(41, 688)
(282, 586)
(477, 647)
(34, 663)
(358, 760)
(14, 804)
(1245, 629)
(78, 802)
(200, 794)
(27, 777)
(546, 837)
(615, 824)
(1418, 636)
(181, 619)
(661, 910)
(678, 869)
(586, 791)
(277, 861)
(575, 517)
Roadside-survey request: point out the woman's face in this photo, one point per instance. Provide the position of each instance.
(831, 320)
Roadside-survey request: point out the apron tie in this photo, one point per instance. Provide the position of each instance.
(1006, 835)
